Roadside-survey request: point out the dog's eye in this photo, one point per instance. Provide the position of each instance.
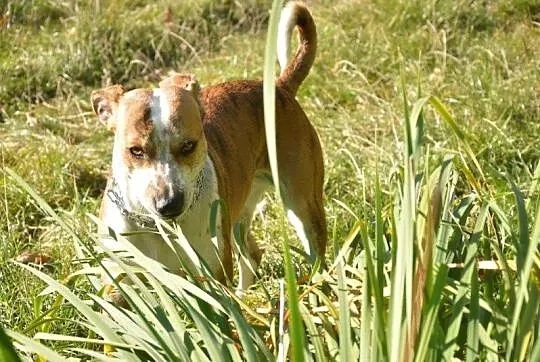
(188, 147)
(137, 152)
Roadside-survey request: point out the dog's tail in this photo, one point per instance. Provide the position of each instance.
(295, 14)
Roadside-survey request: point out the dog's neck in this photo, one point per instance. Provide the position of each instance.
(116, 196)
(141, 220)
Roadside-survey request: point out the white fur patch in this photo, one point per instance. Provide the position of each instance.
(301, 232)
(160, 111)
(286, 25)
(195, 225)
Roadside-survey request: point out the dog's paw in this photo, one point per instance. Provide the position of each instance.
(240, 293)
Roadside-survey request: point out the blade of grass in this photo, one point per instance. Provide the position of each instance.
(379, 236)
(366, 320)
(524, 275)
(150, 313)
(269, 88)
(95, 355)
(128, 320)
(507, 272)
(535, 354)
(402, 269)
(181, 339)
(405, 102)
(431, 207)
(379, 279)
(30, 345)
(527, 322)
(351, 236)
(248, 336)
(376, 288)
(437, 269)
(441, 110)
(490, 345)
(345, 343)
(417, 126)
(523, 222)
(175, 282)
(140, 303)
(79, 304)
(281, 325)
(62, 337)
(214, 341)
(430, 315)
(45, 207)
(7, 352)
(314, 334)
(463, 289)
(534, 185)
(473, 320)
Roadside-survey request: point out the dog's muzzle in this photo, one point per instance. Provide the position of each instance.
(170, 206)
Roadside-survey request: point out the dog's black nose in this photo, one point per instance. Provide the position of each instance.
(170, 207)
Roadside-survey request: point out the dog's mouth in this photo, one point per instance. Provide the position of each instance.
(171, 216)
(148, 219)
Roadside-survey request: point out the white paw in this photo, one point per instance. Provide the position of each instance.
(240, 293)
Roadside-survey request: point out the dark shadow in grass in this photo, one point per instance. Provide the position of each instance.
(91, 182)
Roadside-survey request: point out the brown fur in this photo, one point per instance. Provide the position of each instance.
(234, 129)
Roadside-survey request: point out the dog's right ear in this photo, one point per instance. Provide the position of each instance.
(182, 80)
(104, 102)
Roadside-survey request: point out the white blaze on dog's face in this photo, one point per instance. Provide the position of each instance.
(159, 149)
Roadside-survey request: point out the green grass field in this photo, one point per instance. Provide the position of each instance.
(375, 60)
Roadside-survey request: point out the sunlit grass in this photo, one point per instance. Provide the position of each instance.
(376, 61)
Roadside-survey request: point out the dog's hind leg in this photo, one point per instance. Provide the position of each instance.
(249, 259)
(301, 182)
(308, 219)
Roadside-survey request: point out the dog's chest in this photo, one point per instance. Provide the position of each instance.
(194, 223)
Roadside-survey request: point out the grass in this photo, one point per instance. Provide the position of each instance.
(375, 61)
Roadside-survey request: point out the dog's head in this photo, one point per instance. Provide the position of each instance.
(159, 148)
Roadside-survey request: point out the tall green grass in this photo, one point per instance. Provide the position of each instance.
(410, 290)
(64, 48)
(269, 88)
(435, 267)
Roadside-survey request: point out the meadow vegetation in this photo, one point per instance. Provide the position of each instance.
(429, 117)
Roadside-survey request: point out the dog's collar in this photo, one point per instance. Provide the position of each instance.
(114, 194)
(200, 186)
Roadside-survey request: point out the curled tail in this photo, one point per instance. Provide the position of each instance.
(295, 14)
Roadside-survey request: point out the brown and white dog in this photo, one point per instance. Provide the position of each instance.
(177, 149)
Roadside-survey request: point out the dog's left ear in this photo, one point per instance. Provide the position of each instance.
(186, 81)
(105, 101)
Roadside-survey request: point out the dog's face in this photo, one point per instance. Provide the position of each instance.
(159, 147)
